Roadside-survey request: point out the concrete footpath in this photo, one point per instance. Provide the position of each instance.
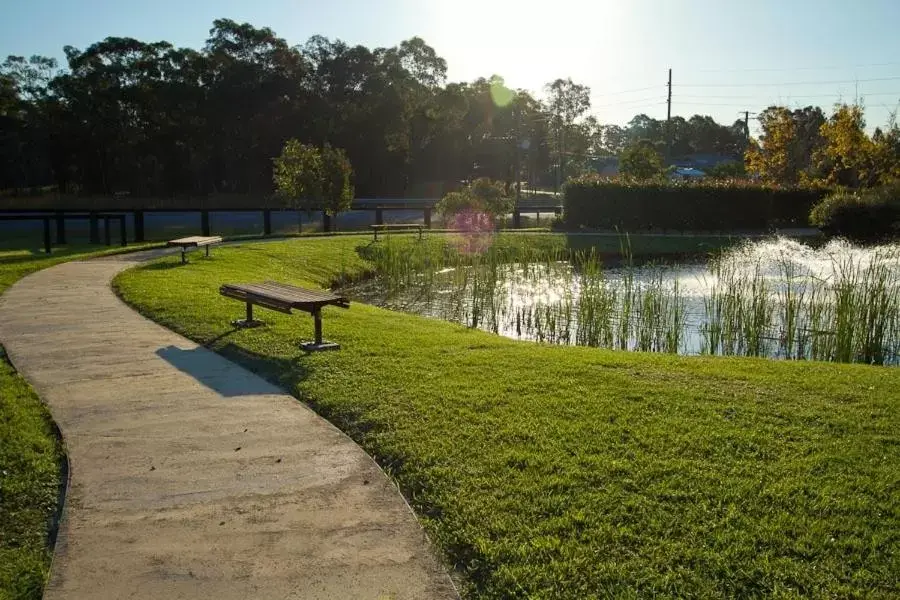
(190, 477)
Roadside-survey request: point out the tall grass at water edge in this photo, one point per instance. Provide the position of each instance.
(747, 305)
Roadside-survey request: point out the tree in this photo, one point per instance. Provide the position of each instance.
(482, 200)
(311, 178)
(846, 156)
(784, 153)
(613, 139)
(640, 162)
(298, 175)
(337, 192)
(771, 157)
(567, 101)
(727, 170)
(886, 153)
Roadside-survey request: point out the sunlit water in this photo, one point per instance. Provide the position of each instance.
(679, 308)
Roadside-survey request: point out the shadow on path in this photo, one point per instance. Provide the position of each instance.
(215, 372)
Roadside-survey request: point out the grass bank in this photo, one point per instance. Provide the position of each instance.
(565, 472)
(30, 455)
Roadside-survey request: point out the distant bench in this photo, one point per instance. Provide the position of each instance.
(194, 241)
(397, 227)
(282, 297)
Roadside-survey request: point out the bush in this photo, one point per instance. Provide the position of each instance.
(862, 215)
(483, 200)
(640, 162)
(595, 203)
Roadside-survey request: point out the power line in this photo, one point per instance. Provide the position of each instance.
(759, 96)
(643, 89)
(788, 69)
(785, 83)
(654, 100)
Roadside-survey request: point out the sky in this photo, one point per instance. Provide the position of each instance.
(726, 56)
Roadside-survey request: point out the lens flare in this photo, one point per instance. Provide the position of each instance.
(477, 229)
(500, 94)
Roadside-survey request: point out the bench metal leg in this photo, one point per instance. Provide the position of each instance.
(249, 321)
(319, 344)
(317, 317)
(183, 257)
(207, 251)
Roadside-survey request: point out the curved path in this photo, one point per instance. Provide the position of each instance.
(190, 477)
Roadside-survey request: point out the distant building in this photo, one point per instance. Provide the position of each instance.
(702, 161)
(686, 173)
(607, 166)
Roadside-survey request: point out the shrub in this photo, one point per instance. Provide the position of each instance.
(862, 215)
(640, 162)
(685, 206)
(482, 200)
(727, 170)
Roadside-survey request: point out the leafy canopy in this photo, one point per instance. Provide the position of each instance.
(640, 162)
(311, 178)
(483, 196)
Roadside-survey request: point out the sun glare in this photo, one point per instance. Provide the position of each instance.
(530, 43)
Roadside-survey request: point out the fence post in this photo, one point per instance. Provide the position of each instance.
(138, 226)
(94, 228)
(326, 221)
(47, 235)
(204, 222)
(60, 228)
(106, 232)
(123, 229)
(267, 222)
(379, 216)
(428, 217)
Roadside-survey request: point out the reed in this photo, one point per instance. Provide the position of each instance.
(750, 308)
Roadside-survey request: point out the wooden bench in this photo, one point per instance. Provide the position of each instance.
(397, 227)
(194, 241)
(282, 298)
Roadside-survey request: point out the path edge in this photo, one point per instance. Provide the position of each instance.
(454, 576)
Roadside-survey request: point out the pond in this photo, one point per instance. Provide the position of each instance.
(776, 298)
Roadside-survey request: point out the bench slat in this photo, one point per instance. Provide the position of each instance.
(283, 296)
(195, 240)
(257, 300)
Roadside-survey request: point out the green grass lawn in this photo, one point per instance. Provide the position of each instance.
(562, 472)
(29, 486)
(30, 455)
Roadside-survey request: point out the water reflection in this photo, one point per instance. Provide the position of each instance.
(776, 298)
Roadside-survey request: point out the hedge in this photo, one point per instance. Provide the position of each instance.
(702, 206)
(862, 215)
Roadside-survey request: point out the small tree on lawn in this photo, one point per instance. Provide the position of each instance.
(297, 175)
(311, 178)
(477, 205)
(337, 191)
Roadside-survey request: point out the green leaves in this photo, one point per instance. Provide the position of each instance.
(864, 215)
(483, 196)
(312, 178)
(297, 175)
(640, 162)
(686, 206)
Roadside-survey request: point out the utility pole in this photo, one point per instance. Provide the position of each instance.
(518, 142)
(669, 121)
(561, 149)
(747, 125)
